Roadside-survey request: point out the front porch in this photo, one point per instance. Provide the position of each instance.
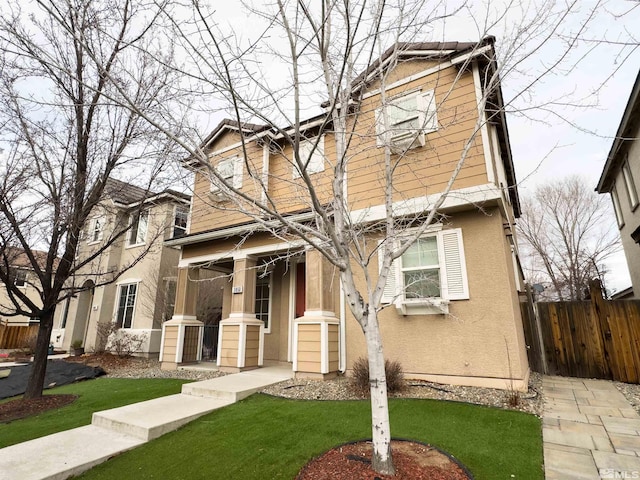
(276, 309)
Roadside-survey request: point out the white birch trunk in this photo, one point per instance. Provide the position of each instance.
(380, 426)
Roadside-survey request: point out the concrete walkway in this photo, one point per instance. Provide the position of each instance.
(71, 452)
(590, 431)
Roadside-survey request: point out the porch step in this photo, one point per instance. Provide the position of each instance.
(153, 418)
(233, 388)
(63, 454)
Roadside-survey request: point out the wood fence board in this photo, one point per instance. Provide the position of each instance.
(16, 336)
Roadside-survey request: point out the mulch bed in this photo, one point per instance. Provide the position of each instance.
(106, 361)
(412, 461)
(20, 408)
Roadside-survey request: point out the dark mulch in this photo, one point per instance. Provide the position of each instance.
(106, 361)
(412, 461)
(20, 408)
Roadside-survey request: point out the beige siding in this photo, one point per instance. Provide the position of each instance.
(309, 355)
(228, 350)
(170, 344)
(252, 345)
(333, 347)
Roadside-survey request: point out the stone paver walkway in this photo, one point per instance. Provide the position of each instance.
(590, 431)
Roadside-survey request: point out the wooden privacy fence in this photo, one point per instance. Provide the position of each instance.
(16, 336)
(591, 339)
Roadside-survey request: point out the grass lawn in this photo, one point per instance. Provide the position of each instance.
(94, 395)
(264, 437)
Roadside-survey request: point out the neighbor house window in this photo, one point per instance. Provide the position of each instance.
(630, 184)
(263, 289)
(180, 222)
(404, 121)
(21, 278)
(139, 223)
(312, 159)
(95, 230)
(65, 313)
(230, 172)
(616, 206)
(126, 305)
(430, 271)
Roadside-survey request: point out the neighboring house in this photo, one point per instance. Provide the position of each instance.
(136, 301)
(620, 178)
(23, 276)
(285, 305)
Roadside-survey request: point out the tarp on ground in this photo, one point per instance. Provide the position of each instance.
(58, 373)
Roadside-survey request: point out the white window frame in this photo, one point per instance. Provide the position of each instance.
(20, 279)
(615, 199)
(632, 193)
(426, 116)
(452, 266)
(134, 221)
(127, 284)
(96, 227)
(235, 165)
(267, 327)
(176, 210)
(314, 162)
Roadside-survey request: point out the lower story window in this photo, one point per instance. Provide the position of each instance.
(421, 269)
(263, 289)
(126, 305)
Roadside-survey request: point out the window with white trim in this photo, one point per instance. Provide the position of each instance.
(139, 224)
(96, 226)
(312, 159)
(616, 206)
(630, 184)
(408, 119)
(126, 305)
(263, 300)
(20, 279)
(230, 172)
(430, 273)
(180, 218)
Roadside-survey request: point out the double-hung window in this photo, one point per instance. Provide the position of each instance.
(20, 279)
(312, 158)
(403, 122)
(139, 223)
(180, 222)
(230, 174)
(95, 229)
(126, 305)
(616, 206)
(429, 274)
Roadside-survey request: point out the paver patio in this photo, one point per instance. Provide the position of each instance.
(590, 431)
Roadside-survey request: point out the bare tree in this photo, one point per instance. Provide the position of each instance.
(62, 66)
(568, 230)
(326, 53)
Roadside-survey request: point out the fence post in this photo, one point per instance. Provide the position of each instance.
(533, 312)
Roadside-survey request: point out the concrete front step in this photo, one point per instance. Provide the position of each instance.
(238, 386)
(62, 454)
(153, 418)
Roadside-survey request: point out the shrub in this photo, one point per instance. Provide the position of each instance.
(124, 344)
(360, 376)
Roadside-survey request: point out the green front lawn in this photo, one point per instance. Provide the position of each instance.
(267, 438)
(94, 395)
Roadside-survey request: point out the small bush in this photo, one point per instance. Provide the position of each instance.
(124, 344)
(360, 376)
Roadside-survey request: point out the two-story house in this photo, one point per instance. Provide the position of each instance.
(619, 176)
(131, 278)
(452, 300)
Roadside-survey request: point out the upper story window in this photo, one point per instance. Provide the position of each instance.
(630, 184)
(616, 206)
(95, 230)
(180, 219)
(430, 273)
(230, 172)
(20, 279)
(403, 122)
(312, 159)
(139, 223)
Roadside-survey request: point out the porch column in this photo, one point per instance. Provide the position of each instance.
(182, 335)
(240, 344)
(316, 333)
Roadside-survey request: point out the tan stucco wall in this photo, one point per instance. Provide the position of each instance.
(631, 218)
(473, 340)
